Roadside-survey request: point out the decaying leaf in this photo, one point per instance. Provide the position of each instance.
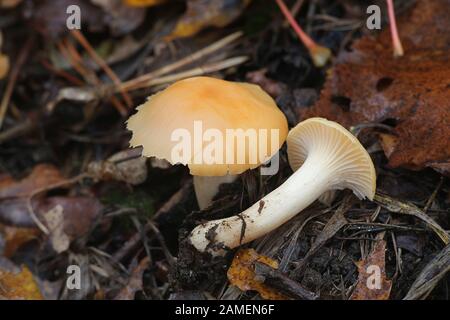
(14, 194)
(143, 3)
(15, 237)
(123, 166)
(411, 93)
(430, 276)
(201, 14)
(54, 220)
(372, 283)
(41, 176)
(68, 218)
(242, 273)
(19, 286)
(135, 281)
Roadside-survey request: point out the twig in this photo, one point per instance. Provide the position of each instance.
(180, 63)
(72, 79)
(282, 282)
(29, 199)
(209, 68)
(319, 55)
(398, 48)
(83, 41)
(433, 195)
(397, 206)
(136, 238)
(13, 78)
(73, 57)
(434, 271)
(298, 30)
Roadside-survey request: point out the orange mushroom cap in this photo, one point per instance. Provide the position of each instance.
(216, 104)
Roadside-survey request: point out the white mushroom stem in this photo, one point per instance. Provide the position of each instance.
(325, 156)
(207, 187)
(296, 193)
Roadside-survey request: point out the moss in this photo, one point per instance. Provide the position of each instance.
(138, 199)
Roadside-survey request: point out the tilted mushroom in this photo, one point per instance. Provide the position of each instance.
(324, 156)
(215, 114)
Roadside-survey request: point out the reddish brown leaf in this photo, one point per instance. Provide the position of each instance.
(15, 237)
(372, 283)
(42, 175)
(135, 281)
(369, 85)
(66, 218)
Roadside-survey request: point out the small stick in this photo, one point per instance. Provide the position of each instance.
(280, 281)
(131, 243)
(74, 58)
(180, 63)
(433, 195)
(60, 72)
(319, 55)
(13, 78)
(209, 68)
(111, 74)
(398, 48)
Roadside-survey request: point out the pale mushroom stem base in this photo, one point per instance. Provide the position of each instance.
(304, 187)
(207, 187)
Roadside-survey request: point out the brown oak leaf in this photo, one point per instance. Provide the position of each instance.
(412, 92)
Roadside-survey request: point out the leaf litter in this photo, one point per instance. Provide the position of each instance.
(72, 193)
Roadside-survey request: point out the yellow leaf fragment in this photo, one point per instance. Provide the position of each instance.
(201, 14)
(143, 3)
(4, 65)
(242, 274)
(19, 286)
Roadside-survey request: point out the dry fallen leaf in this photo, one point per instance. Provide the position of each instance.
(135, 282)
(41, 176)
(15, 237)
(242, 274)
(411, 93)
(19, 286)
(68, 218)
(201, 14)
(123, 166)
(15, 193)
(372, 283)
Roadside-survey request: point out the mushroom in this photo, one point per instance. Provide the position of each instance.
(217, 128)
(319, 55)
(325, 156)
